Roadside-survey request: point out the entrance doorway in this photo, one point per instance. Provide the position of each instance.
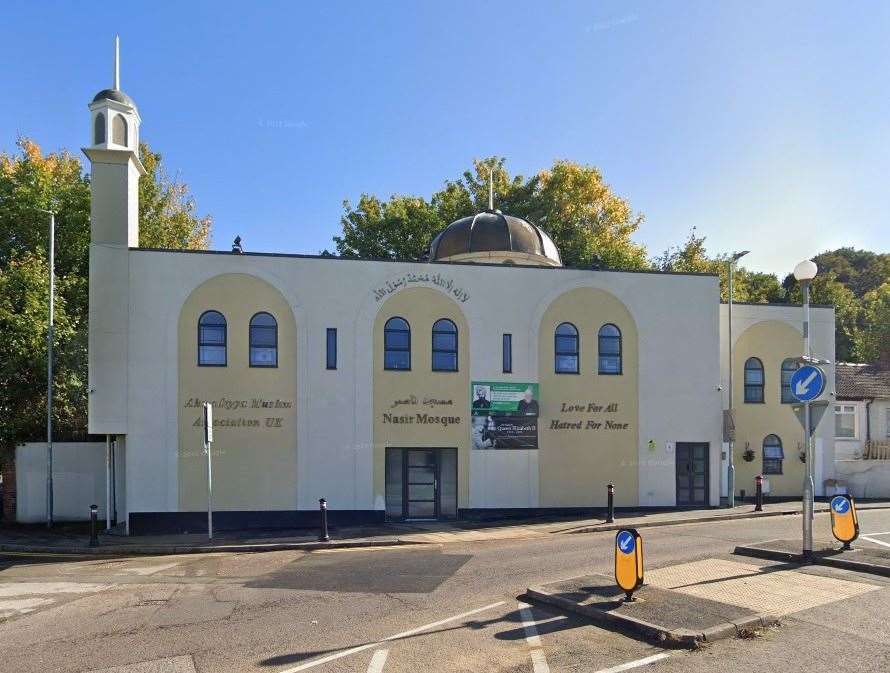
(692, 474)
(421, 484)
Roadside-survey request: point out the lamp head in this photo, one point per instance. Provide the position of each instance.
(737, 256)
(805, 271)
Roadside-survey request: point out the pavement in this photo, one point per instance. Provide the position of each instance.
(688, 604)
(868, 554)
(459, 606)
(74, 538)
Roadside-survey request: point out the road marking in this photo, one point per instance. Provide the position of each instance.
(147, 570)
(397, 636)
(378, 661)
(871, 539)
(886, 532)
(539, 660)
(635, 664)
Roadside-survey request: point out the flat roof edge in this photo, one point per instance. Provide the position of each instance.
(415, 261)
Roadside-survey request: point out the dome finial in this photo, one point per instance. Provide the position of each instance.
(117, 63)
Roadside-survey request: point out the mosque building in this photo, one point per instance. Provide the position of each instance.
(485, 380)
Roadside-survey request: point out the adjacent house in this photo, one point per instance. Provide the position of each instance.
(862, 429)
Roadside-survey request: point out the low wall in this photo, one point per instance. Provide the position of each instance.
(864, 478)
(78, 481)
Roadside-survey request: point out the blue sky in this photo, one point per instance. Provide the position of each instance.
(764, 125)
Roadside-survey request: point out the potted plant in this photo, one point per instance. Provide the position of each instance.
(748, 453)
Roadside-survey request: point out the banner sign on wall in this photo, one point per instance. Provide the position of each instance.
(505, 415)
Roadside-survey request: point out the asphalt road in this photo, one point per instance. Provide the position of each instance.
(454, 607)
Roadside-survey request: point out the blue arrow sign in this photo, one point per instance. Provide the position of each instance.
(626, 542)
(840, 505)
(807, 383)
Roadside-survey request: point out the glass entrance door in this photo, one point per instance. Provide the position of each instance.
(422, 497)
(421, 484)
(692, 474)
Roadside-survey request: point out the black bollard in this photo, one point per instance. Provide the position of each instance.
(758, 498)
(94, 534)
(610, 515)
(323, 507)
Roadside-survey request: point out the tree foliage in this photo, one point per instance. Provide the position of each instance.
(31, 182)
(588, 222)
(872, 340)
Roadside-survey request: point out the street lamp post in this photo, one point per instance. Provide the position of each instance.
(804, 273)
(730, 468)
(49, 368)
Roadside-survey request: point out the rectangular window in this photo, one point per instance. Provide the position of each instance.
(753, 385)
(845, 421)
(508, 354)
(772, 459)
(331, 357)
(212, 345)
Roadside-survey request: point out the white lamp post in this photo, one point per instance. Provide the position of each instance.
(49, 368)
(730, 468)
(804, 273)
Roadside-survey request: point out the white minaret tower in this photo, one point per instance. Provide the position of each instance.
(115, 170)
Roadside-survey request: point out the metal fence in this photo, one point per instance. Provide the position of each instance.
(877, 450)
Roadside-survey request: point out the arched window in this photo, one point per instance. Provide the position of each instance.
(396, 344)
(263, 341)
(609, 349)
(772, 455)
(119, 130)
(789, 366)
(566, 349)
(753, 380)
(212, 339)
(444, 346)
(99, 129)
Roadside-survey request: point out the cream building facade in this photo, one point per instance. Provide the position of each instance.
(488, 380)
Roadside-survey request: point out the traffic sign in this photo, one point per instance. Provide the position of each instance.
(817, 411)
(807, 383)
(844, 522)
(628, 561)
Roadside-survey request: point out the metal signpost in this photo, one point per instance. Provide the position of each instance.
(208, 440)
(806, 384)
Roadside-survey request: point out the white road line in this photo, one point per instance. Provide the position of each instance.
(539, 660)
(378, 661)
(397, 636)
(871, 539)
(635, 664)
(886, 532)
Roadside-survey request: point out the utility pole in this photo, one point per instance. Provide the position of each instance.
(730, 468)
(49, 368)
(804, 273)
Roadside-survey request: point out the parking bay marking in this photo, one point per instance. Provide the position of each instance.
(397, 636)
(539, 659)
(378, 661)
(645, 661)
(871, 539)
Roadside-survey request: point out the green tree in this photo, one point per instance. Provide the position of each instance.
(587, 221)
(872, 340)
(747, 286)
(29, 182)
(827, 289)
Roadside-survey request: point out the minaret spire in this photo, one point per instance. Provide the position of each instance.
(117, 63)
(490, 188)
